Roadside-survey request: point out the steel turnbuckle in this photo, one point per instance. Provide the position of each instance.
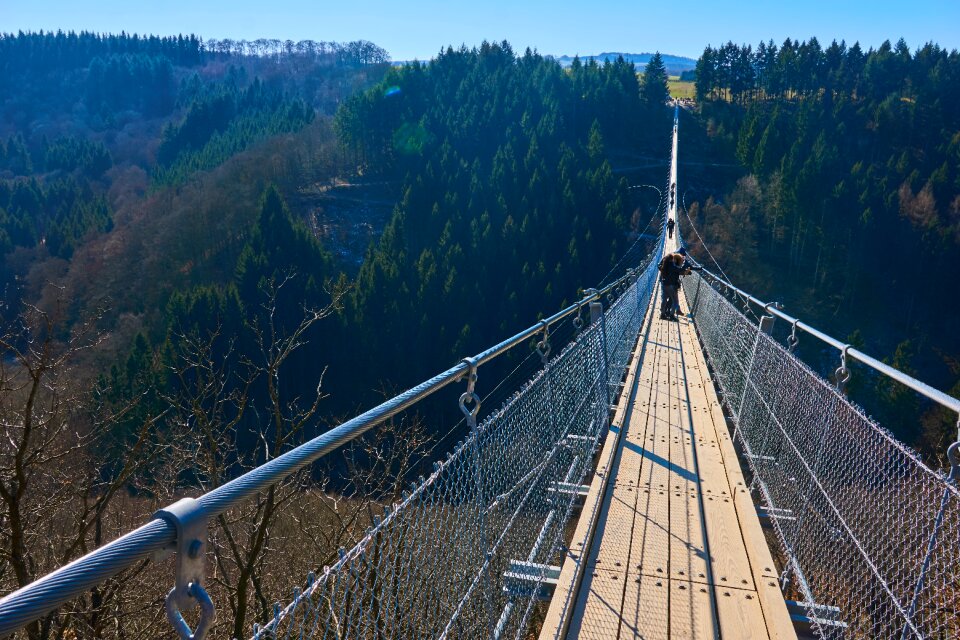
(842, 373)
(470, 397)
(191, 525)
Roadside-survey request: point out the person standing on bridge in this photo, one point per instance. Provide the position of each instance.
(672, 267)
(670, 225)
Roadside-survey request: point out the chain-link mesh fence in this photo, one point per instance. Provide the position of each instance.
(468, 551)
(868, 534)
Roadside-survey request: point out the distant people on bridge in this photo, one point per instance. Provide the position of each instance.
(672, 267)
(670, 225)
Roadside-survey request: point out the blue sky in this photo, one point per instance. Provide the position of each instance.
(418, 29)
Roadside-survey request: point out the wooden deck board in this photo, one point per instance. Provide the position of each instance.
(678, 551)
(691, 611)
(763, 570)
(560, 614)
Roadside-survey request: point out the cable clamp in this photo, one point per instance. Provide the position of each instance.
(190, 521)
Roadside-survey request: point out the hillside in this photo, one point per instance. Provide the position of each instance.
(847, 204)
(213, 251)
(121, 160)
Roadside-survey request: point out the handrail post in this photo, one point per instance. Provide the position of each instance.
(598, 316)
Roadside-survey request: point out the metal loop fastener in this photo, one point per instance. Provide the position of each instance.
(953, 455)
(792, 339)
(842, 373)
(470, 395)
(465, 398)
(208, 613)
(543, 346)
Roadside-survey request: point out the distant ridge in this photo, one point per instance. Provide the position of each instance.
(675, 64)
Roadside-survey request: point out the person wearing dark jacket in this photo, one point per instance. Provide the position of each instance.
(672, 267)
(670, 225)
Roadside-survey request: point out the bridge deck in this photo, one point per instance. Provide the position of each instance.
(677, 550)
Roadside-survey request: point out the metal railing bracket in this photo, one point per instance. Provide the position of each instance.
(191, 524)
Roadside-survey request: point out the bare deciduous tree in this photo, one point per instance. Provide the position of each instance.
(78, 467)
(57, 488)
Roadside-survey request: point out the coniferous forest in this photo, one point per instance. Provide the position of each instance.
(210, 251)
(213, 251)
(848, 204)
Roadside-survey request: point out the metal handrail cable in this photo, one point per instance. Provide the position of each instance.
(39, 598)
(920, 387)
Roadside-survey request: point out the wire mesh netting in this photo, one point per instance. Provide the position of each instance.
(868, 534)
(468, 551)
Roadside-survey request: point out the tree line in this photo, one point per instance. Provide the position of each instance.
(358, 52)
(43, 51)
(798, 68)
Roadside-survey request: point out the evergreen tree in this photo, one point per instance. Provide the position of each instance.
(655, 90)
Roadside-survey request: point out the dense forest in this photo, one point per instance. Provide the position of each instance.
(510, 204)
(143, 189)
(179, 223)
(179, 291)
(848, 208)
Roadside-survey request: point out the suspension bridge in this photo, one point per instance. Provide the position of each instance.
(652, 479)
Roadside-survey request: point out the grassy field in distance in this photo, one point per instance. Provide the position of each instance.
(680, 89)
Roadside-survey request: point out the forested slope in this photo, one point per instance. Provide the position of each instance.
(509, 206)
(175, 299)
(850, 209)
(182, 313)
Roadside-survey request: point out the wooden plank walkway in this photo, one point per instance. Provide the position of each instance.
(677, 550)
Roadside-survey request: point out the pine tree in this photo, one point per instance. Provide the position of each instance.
(655, 91)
